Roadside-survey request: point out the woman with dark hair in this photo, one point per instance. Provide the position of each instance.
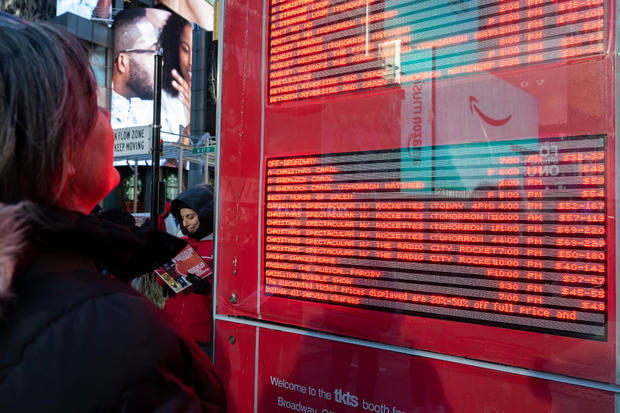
(176, 41)
(193, 210)
(70, 338)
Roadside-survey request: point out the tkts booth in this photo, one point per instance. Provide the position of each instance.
(417, 206)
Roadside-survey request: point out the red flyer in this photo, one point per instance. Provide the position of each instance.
(174, 273)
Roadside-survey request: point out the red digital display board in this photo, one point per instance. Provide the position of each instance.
(506, 233)
(319, 48)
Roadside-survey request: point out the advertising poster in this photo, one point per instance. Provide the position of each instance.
(139, 33)
(196, 11)
(85, 8)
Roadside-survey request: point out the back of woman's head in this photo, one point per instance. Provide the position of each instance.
(48, 104)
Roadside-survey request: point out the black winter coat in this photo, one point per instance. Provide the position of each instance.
(73, 340)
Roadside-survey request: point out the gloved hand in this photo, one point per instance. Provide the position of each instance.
(200, 285)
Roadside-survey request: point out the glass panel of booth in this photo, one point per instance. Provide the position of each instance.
(440, 176)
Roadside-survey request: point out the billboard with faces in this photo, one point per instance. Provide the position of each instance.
(85, 8)
(140, 33)
(196, 11)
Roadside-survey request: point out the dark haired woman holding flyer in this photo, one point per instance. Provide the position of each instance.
(193, 210)
(72, 340)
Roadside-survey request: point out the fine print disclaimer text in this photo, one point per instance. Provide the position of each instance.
(317, 396)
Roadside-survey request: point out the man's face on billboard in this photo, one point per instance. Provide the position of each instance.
(141, 67)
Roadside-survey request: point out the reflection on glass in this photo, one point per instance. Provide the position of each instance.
(331, 47)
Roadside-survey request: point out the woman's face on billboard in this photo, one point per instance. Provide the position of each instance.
(185, 52)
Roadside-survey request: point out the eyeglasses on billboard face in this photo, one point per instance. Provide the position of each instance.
(157, 50)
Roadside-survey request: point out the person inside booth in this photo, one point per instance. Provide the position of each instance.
(71, 339)
(193, 210)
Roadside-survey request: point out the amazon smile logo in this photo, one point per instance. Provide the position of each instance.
(473, 106)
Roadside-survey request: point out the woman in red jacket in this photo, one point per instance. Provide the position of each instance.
(193, 210)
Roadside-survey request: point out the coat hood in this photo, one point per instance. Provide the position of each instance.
(200, 199)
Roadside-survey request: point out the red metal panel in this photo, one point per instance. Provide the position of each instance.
(235, 351)
(293, 366)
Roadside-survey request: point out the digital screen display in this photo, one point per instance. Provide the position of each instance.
(325, 47)
(138, 34)
(97, 9)
(506, 233)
